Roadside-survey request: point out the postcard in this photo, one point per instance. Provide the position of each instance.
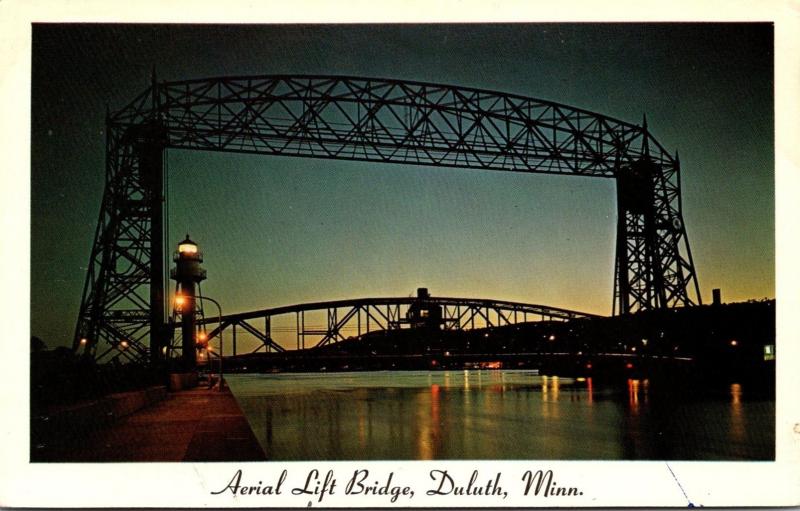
(427, 255)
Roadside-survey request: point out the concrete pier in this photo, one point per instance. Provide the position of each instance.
(199, 424)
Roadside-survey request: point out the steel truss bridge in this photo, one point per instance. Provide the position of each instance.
(364, 315)
(372, 120)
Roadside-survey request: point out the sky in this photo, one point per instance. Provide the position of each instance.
(280, 230)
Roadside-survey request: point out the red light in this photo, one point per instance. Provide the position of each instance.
(629, 365)
(589, 365)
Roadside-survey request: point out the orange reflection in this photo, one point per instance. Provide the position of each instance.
(436, 422)
(590, 389)
(736, 395)
(737, 419)
(555, 388)
(429, 438)
(424, 448)
(633, 394)
(550, 388)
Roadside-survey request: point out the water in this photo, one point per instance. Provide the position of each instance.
(420, 415)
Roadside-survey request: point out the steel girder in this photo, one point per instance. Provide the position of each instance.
(364, 315)
(364, 119)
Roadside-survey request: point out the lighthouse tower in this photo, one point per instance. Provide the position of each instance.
(188, 273)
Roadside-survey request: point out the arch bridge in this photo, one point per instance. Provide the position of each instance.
(356, 317)
(374, 120)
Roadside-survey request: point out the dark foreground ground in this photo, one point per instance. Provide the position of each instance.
(191, 425)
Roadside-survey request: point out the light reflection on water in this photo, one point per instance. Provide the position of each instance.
(474, 414)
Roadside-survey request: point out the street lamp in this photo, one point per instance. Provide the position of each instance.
(180, 301)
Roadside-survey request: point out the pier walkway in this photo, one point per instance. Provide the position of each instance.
(199, 424)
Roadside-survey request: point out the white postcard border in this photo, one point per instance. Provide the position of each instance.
(605, 483)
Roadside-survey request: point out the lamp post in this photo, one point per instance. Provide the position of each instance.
(180, 300)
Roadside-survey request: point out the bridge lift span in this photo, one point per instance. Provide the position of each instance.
(375, 120)
(364, 315)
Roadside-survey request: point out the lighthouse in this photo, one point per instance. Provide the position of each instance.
(188, 273)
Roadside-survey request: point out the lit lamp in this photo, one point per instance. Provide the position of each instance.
(202, 336)
(187, 247)
(82, 342)
(202, 346)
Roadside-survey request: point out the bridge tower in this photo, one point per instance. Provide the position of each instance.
(373, 120)
(188, 274)
(639, 275)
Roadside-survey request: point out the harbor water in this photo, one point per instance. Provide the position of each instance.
(500, 414)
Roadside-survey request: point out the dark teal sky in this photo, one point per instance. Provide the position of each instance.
(286, 230)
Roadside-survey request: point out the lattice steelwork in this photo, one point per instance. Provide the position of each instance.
(376, 120)
(363, 315)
